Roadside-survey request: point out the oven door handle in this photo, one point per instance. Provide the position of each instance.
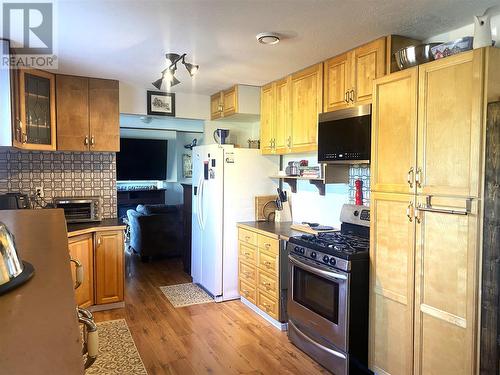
(312, 342)
(317, 271)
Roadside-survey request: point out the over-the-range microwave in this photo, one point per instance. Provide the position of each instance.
(344, 136)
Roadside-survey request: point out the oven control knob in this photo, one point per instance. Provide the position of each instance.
(333, 261)
(313, 255)
(302, 251)
(326, 259)
(297, 249)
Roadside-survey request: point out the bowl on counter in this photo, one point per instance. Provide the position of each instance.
(414, 55)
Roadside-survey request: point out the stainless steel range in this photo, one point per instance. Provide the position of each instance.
(328, 293)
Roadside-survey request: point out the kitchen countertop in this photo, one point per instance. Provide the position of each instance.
(275, 229)
(39, 331)
(77, 229)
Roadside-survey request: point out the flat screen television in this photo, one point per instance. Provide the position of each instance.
(141, 159)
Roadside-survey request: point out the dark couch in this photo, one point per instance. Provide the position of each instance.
(156, 230)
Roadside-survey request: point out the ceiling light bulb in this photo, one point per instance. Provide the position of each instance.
(192, 69)
(268, 38)
(158, 83)
(172, 57)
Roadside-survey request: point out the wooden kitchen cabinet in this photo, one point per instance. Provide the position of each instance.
(81, 248)
(394, 132)
(238, 103)
(35, 124)
(104, 115)
(449, 125)
(72, 113)
(282, 123)
(87, 114)
(446, 272)
(306, 95)
(267, 118)
(392, 246)
(349, 77)
(109, 267)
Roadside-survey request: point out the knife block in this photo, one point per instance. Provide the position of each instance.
(284, 215)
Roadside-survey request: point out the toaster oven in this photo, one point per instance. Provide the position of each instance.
(80, 209)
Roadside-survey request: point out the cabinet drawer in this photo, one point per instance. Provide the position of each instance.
(247, 272)
(247, 253)
(267, 304)
(248, 291)
(269, 244)
(267, 283)
(268, 262)
(247, 236)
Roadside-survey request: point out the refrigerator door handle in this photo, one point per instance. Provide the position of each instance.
(200, 198)
(198, 205)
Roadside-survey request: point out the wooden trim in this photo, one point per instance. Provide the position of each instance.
(258, 231)
(442, 315)
(106, 306)
(95, 229)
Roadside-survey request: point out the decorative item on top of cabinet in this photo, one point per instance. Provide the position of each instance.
(81, 248)
(34, 110)
(238, 103)
(87, 114)
(348, 77)
(395, 43)
(306, 98)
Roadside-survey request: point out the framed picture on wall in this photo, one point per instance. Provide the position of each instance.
(161, 103)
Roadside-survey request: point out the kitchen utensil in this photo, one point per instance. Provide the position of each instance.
(282, 195)
(359, 192)
(414, 55)
(312, 230)
(293, 168)
(13, 271)
(312, 225)
(265, 205)
(220, 136)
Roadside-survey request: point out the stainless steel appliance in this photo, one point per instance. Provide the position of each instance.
(328, 293)
(13, 271)
(80, 209)
(344, 136)
(14, 201)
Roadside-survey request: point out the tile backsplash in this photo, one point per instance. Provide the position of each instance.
(61, 174)
(362, 172)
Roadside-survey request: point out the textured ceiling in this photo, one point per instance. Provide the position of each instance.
(126, 40)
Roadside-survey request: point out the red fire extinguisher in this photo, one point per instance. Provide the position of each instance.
(359, 192)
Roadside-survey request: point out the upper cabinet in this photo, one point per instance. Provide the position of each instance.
(34, 119)
(349, 77)
(238, 103)
(267, 118)
(305, 104)
(87, 114)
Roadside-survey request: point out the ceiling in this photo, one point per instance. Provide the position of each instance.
(127, 40)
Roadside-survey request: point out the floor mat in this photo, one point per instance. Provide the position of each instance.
(187, 294)
(118, 354)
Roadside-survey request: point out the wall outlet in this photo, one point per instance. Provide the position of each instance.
(39, 191)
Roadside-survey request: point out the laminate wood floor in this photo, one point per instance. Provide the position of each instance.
(212, 338)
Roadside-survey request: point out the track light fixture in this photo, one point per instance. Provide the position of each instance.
(168, 75)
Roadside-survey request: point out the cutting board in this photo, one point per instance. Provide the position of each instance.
(307, 229)
(265, 205)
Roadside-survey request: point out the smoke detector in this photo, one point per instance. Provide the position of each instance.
(268, 38)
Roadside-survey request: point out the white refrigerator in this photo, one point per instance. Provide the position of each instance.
(225, 182)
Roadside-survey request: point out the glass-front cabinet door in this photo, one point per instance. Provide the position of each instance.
(36, 128)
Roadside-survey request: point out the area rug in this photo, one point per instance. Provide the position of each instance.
(118, 354)
(187, 294)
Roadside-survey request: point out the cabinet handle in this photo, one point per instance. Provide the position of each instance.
(86, 140)
(247, 274)
(221, 108)
(267, 285)
(351, 95)
(268, 245)
(267, 307)
(289, 142)
(247, 254)
(78, 273)
(418, 177)
(25, 138)
(246, 292)
(409, 212)
(268, 264)
(99, 241)
(92, 141)
(346, 97)
(411, 177)
(247, 238)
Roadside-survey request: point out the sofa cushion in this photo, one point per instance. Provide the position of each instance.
(152, 209)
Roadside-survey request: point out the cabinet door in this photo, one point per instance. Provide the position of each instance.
(109, 272)
(104, 115)
(216, 106)
(449, 125)
(369, 62)
(267, 113)
(446, 289)
(81, 249)
(230, 101)
(37, 109)
(282, 134)
(73, 133)
(337, 82)
(306, 102)
(394, 132)
(392, 243)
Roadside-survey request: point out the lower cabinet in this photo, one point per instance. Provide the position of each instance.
(81, 248)
(102, 256)
(259, 271)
